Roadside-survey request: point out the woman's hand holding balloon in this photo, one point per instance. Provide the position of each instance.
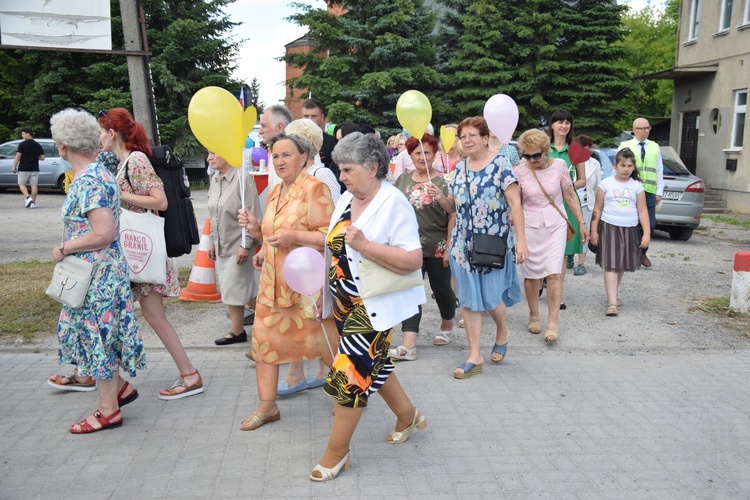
(247, 220)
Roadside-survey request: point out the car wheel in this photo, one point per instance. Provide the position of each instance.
(61, 183)
(682, 234)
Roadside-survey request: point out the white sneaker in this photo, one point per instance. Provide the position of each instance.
(29, 201)
(33, 205)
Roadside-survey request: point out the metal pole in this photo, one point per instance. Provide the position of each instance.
(139, 69)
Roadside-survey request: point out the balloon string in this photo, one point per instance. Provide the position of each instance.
(242, 199)
(421, 147)
(325, 333)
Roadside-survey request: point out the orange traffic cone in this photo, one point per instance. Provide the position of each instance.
(201, 286)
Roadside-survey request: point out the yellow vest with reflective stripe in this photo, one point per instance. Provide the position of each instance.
(647, 166)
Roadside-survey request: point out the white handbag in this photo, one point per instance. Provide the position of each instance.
(142, 242)
(71, 278)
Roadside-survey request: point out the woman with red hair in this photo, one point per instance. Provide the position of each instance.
(427, 192)
(142, 190)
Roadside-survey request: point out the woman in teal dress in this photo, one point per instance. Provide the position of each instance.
(102, 336)
(560, 132)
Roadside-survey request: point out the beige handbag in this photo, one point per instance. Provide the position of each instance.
(70, 280)
(376, 280)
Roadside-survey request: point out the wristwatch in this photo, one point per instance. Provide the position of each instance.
(62, 248)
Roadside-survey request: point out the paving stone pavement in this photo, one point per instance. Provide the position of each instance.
(537, 425)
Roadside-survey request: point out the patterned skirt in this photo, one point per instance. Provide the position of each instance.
(619, 247)
(362, 364)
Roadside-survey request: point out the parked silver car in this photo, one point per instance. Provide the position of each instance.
(51, 173)
(682, 200)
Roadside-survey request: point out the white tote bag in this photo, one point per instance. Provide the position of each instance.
(142, 242)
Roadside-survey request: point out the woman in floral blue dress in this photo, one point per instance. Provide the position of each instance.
(485, 193)
(103, 336)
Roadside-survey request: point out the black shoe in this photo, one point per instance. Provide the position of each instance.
(563, 306)
(569, 261)
(234, 339)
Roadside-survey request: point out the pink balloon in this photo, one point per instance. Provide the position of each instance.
(501, 114)
(304, 270)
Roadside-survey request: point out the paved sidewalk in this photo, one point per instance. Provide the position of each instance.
(541, 424)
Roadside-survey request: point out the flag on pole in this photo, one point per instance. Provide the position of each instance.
(242, 97)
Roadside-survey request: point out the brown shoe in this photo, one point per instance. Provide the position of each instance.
(645, 261)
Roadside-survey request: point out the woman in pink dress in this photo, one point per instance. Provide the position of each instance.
(545, 224)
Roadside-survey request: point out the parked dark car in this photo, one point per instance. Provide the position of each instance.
(682, 200)
(51, 173)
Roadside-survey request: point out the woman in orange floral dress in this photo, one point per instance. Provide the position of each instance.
(297, 214)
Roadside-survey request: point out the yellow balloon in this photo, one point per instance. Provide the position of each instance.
(216, 120)
(249, 117)
(414, 112)
(447, 137)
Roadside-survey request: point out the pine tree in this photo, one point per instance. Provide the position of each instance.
(545, 54)
(255, 96)
(367, 57)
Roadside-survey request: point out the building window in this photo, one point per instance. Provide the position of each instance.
(726, 15)
(695, 11)
(740, 110)
(746, 18)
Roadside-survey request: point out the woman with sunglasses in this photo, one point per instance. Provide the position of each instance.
(543, 181)
(142, 190)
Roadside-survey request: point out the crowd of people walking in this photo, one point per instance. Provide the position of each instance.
(475, 219)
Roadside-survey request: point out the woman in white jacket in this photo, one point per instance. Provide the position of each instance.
(587, 194)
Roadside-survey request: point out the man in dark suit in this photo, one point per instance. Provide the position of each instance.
(313, 110)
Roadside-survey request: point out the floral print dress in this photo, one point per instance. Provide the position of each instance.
(481, 208)
(103, 336)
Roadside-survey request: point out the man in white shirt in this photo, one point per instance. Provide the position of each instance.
(274, 119)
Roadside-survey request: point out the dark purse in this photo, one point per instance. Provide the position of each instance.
(488, 250)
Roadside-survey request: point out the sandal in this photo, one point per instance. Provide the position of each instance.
(550, 335)
(123, 400)
(402, 353)
(397, 437)
(470, 369)
(499, 350)
(534, 327)
(190, 390)
(443, 338)
(105, 422)
(612, 310)
(461, 323)
(87, 384)
(258, 419)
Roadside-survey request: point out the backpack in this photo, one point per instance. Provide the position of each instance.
(180, 225)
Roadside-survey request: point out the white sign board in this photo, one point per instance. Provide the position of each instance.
(59, 24)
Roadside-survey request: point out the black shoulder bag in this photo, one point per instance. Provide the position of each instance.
(488, 250)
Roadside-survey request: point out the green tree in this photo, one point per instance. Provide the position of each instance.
(545, 54)
(650, 43)
(188, 40)
(255, 96)
(375, 52)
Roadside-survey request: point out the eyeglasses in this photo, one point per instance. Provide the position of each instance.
(468, 136)
(534, 157)
(643, 128)
(103, 113)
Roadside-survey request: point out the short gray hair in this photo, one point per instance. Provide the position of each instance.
(300, 142)
(76, 129)
(309, 130)
(279, 114)
(362, 149)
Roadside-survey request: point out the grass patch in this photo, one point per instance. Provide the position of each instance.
(729, 220)
(26, 311)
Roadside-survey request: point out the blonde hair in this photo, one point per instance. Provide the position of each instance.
(309, 130)
(534, 139)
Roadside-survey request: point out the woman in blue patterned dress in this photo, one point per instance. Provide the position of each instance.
(486, 194)
(103, 336)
